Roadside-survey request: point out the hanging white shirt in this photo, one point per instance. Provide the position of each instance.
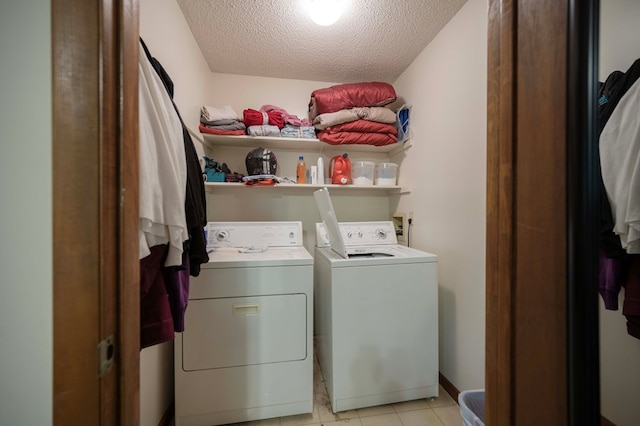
(163, 170)
(620, 163)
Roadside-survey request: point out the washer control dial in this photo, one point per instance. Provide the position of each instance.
(381, 234)
(222, 235)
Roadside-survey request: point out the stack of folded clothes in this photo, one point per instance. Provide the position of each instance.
(354, 113)
(271, 120)
(261, 123)
(220, 121)
(290, 131)
(294, 126)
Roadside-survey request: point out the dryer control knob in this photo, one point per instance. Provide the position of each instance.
(222, 235)
(381, 233)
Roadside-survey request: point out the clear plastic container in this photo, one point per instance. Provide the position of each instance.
(362, 172)
(386, 174)
(472, 407)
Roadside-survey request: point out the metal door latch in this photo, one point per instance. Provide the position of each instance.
(106, 354)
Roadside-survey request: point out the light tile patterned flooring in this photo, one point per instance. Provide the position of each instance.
(441, 411)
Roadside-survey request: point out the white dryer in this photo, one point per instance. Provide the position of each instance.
(376, 313)
(247, 352)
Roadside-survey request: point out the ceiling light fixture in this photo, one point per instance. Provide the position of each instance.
(325, 12)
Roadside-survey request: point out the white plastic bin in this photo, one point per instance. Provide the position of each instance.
(362, 172)
(386, 174)
(472, 407)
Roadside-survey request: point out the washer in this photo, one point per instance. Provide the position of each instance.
(246, 352)
(376, 313)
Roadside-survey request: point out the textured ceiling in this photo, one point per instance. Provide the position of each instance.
(375, 40)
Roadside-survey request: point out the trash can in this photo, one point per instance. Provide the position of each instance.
(472, 407)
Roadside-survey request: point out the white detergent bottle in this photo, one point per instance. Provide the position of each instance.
(320, 170)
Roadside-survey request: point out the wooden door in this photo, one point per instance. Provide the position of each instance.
(95, 211)
(540, 369)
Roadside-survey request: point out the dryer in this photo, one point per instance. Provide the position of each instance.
(246, 352)
(376, 313)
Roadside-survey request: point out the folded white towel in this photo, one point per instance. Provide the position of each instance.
(211, 113)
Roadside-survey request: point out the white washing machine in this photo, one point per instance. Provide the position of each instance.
(376, 313)
(247, 351)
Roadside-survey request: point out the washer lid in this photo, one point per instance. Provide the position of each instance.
(328, 215)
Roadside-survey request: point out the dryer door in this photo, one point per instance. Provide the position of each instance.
(238, 331)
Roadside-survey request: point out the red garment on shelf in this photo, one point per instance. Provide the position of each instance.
(252, 117)
(345, 96)
(361, 132)
(212, 131)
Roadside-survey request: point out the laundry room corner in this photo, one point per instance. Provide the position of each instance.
(445, 169)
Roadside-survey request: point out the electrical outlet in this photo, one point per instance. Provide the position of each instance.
(399, 220)
(410, 215)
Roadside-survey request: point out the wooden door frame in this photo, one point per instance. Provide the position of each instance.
(95, 210)
(541, 323)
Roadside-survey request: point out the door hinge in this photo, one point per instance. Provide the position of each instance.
(106, 355)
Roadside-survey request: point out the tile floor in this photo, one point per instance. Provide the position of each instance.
(441, 411)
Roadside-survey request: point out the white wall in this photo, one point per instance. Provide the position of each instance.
(619, 352)
(619, 35)
(446, 167)
(26, 369)
(156, 382)
(169, 39)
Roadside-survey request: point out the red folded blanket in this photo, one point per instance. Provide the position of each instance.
(359, 132)
(348, 138)
(345, 96)
(363, 126)
(212, 131)
(252, 117)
